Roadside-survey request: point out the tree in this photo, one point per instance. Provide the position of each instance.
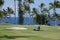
(57, 4)
(48, 17)
(55, 16)
(37, 18)
(0, 15)
(23, 8)
(40, 18)
(1, 3)
(54, 6)
(45, 10)
(4, 13)
(20, 12)
(9, 11)
(15, 10)
(41, 8)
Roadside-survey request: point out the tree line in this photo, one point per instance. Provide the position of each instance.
(40, 17)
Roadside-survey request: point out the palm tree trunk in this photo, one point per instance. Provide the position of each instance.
(41, 16)
(45, 20)
(55, 22)
(15, 9)
(0, 20)
(20, 12)
(48, 18)
(54, 11)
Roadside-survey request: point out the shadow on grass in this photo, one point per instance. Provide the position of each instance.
(14, 37)
(39, 30)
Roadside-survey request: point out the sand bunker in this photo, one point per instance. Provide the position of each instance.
(17, 28)
(59, 28)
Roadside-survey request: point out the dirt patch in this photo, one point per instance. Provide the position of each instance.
(16, 28)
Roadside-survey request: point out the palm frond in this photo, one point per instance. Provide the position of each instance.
(1, 2)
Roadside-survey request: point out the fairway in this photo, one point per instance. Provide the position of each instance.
(46, 33)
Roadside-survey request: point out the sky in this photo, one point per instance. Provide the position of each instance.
(10, 3)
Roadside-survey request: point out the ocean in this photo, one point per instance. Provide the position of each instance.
(13, 20)
(27, 20)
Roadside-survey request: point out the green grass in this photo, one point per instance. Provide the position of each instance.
(46, 33)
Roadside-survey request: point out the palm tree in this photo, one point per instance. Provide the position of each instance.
(56, 17)
(3, 14)
(40, 18)
(15, 8)
(23, 7)
(1, 3)
(20, 12)
(45, 10)
(0, 15)
(54, 6)
(9, 11)
(58, 4)
(37, 16)
(48, 17)
(41, 8)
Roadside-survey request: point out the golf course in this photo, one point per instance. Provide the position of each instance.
(45, 33)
